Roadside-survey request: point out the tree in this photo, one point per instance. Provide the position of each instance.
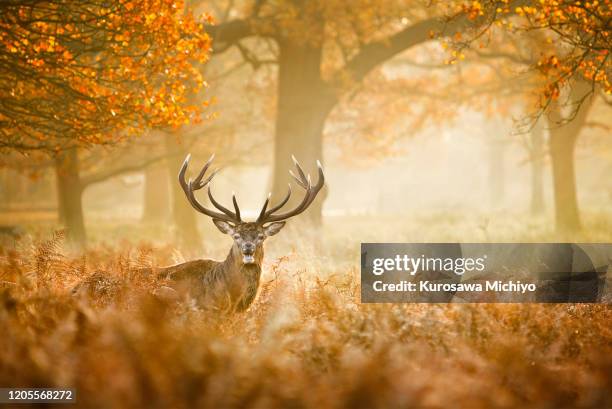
(156, 191)
(185, 218)
(574, 43)
(323, 50)
(74, 177)
(564, 131)
(578, 36)
(91, 73)
(536, 161)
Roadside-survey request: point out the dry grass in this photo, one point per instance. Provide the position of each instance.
(307, 342)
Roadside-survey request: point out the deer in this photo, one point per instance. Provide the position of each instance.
(231, 285)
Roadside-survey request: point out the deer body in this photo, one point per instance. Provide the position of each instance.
(231, 285)
(228, 285)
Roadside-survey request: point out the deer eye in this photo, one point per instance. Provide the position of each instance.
(260, 236)
(236, 236)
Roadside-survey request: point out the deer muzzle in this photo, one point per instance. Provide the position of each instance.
(248, 253)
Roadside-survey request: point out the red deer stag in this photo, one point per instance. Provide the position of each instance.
(232, 284)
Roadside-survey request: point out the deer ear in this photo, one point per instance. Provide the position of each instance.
(224, 227)
(273, 228)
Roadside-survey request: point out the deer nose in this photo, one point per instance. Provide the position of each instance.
(248, 248)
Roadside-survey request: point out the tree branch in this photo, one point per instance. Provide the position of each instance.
(225, 35)
(251, 59)
(597, 124)
(375, 53)
(132, 167)
(518, 59)
(109, 173)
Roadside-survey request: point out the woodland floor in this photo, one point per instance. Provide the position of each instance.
(307, 342)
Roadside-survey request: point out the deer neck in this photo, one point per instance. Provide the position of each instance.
(242, 279)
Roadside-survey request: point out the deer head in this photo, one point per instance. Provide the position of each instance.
(249, 236)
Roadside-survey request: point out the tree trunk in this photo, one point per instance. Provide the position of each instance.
(562, 141)
(303, 105)
(61, 208)
(564, 181)
(184, 216)
(6, 190)
(497, 172)
(69, 191)
(156, 205)
(537, 168)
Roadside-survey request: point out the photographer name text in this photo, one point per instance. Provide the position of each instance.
(458, 266)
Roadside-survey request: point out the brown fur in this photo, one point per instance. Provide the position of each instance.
(227, 285)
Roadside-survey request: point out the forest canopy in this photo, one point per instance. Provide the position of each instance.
(76, 73)
(570, 40)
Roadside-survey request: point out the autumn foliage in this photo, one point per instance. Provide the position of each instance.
(575, 37)
(306, 342)
(92, 72)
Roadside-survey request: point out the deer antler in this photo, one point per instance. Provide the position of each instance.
(267, 216)
(198, 183)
